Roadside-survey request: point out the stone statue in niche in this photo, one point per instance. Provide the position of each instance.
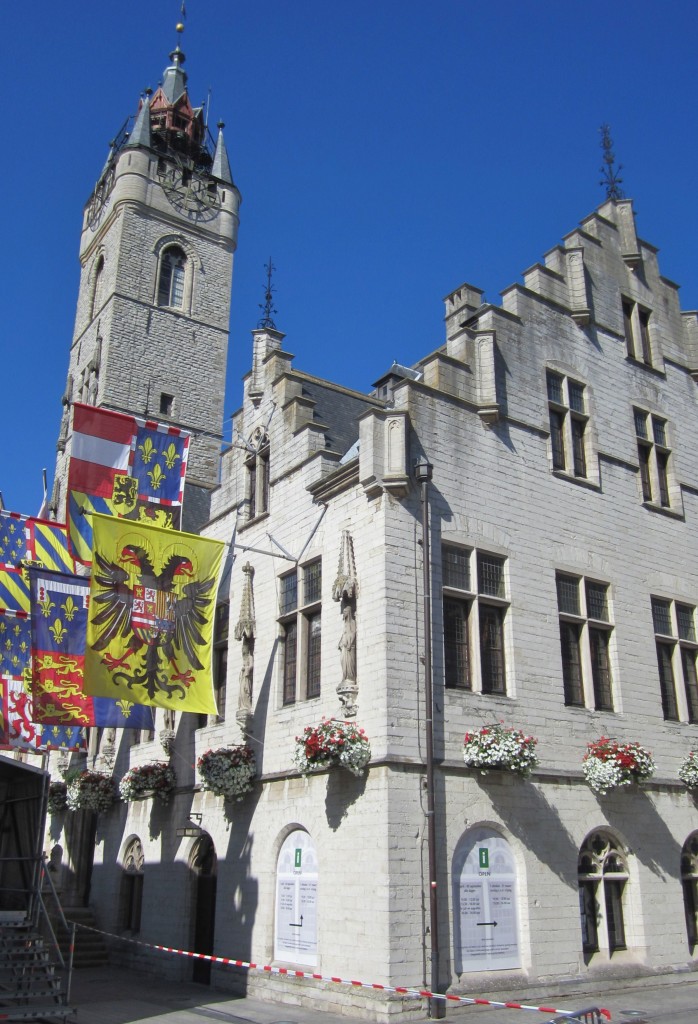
(245, 630)
(345, 591)
(246, 675)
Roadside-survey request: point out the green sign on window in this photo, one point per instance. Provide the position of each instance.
(297, 862)
(484, 857)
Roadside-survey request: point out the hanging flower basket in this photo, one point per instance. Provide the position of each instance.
(90, 791)
(228, 771)
(688, 772)
(57, 798)
(500, 748)
(157, 779)
(609, 765)
(332, 744)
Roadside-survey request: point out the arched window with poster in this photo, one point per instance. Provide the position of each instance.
(295, 934)
(485, 903)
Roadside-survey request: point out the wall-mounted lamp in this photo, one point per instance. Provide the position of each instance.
(193, 828)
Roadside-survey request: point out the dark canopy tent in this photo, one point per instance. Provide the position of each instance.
(23, 805)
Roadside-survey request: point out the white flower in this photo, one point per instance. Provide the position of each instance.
(688, 772)
(228, 771)
(500, 747)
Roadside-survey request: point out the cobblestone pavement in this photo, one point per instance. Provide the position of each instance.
(110, 995)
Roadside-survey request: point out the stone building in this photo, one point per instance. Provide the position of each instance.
(563, 590)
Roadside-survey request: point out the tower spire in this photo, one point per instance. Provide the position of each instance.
(611, 175)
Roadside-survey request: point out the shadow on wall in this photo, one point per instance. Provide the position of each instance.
(632, 812)
(528, 815)
(343, 790)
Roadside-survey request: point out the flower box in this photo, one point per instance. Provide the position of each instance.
(57, 797)
(332, 744)
(500, 748)
(609, 765)
(228, 771)
(90, 791)
(156, 779)
(688, 772)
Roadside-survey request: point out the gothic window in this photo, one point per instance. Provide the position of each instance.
(220, 656)
(131, 890)
(653, 455)
(585, 639)
(474, 614)
(172, 277)
(301, 632)
(636, 325)
(602, 878)
(568, 424)
(677, 652)
(689, 883)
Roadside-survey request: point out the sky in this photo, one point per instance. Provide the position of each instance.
(386, 151)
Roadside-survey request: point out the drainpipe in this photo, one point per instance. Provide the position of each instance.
(423, 472)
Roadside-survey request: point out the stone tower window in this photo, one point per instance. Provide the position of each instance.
(172, 277)
(603, 876)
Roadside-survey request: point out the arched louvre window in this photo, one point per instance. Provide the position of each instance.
(689, 883)
(97, 295)
(602, 876)
(173, 265)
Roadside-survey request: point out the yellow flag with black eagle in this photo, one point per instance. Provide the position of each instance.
(150, 625)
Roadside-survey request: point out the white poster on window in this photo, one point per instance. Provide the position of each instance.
(485, 902)
(296, 901)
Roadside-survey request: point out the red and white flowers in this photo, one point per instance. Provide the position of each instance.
(332, 743)
(608, 764)
(144, 780)
(500, 747)
(228, 771)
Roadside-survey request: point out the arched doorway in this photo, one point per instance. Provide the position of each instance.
(485, 903)
(203, 864)
(295, 933)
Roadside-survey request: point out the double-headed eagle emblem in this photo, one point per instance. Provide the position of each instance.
(160, 617)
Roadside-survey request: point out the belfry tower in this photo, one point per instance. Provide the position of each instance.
(158, 236)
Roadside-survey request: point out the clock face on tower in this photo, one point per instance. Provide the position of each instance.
(190, 192)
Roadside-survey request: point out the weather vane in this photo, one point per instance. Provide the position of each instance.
(268, 308)
(611, 175)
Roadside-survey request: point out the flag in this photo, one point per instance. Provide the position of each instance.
(15, 644)
(150, 624)
(47, 545)
(62, 737)
(30, 539)
(4, 730)
(14, 590)
(13, 543)
(59, 627)
(122, 466)
(23, 734)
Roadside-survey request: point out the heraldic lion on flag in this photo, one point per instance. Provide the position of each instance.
(152, 600)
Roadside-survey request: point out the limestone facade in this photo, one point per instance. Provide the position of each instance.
(565, 491)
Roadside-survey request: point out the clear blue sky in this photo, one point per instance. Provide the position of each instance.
(386, 151)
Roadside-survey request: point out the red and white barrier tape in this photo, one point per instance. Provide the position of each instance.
(416, 992)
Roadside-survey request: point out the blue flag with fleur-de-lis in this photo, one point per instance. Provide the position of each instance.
(15, 644)
(60, 603)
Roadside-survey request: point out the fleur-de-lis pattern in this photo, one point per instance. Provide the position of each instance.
(69, 608)
(59, 631)
(147, 450)
(156, 476)
(171, 455)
